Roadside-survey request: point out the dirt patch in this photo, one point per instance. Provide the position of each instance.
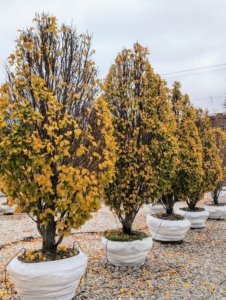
(213, 204)
(196, 209)
(35, 256)
(119, 236)
(171, 217)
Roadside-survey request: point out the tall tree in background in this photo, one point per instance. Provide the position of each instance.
(220, 142)
(188, 175)
(56, 144)
(144, 130)
(211, 162)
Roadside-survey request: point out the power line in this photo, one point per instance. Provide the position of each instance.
(193, 69)
(195, 74)
(210, 98)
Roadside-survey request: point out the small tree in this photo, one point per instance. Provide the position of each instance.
(144, 131)
(56, 144)
(211, 162)
(220, 142)
(188, 173)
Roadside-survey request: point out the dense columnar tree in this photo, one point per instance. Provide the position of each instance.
(212, 158)
(144, 130)
(56, 144)
(220, 141)
(188, 175)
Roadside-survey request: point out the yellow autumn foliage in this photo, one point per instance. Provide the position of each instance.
(144, 130)
(212, 158)
(220, 141)
(57, 151)
(188, 174)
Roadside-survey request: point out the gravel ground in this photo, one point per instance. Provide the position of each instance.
(194, 269)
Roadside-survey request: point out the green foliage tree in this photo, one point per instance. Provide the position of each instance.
(56, 143)
(144, 132)
(188, 175)
(211, 161)
(220, 141)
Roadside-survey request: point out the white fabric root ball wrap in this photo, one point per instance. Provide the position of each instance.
(127, 253)
(216, 212)
(51, 280)
(8, 209)
(197, 218)
(167, 230)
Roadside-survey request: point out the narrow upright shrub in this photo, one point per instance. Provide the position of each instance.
(211, 161)
(188, 169)
(220, 141)
(144, 130)
(56, 144)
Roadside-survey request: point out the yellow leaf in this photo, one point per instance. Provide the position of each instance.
(80, 151)
(186, 285)
(17, 210)
(3, 292)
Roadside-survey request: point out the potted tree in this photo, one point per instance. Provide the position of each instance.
(5, 206)
(56, 150)
(217, 209)
(211, 166)
(146, 147)
(169, 226)
(7, 209)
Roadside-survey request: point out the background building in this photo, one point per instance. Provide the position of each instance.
(219, 120)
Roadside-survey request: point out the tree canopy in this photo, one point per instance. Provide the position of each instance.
(56, 144)
(220, 142)
(144, 130)
(211, 162)
(188, 173)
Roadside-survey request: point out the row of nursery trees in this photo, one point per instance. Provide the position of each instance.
(67, 139)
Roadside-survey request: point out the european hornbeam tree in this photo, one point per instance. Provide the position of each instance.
(144, 130)
(188, 174)
(211, 160)
(56, 144)
(220, 141)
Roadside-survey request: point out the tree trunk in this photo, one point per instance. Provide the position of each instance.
(192, 202)
(48, 233)
(169, 211)
(216, 192)
(192, 205)
(215, 198)
(168, 201)
(128, 221)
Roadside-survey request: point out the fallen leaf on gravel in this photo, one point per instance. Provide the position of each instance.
(167, 293)
(186, 285)
(3, 292)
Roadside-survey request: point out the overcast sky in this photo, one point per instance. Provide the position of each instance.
(181, 35)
